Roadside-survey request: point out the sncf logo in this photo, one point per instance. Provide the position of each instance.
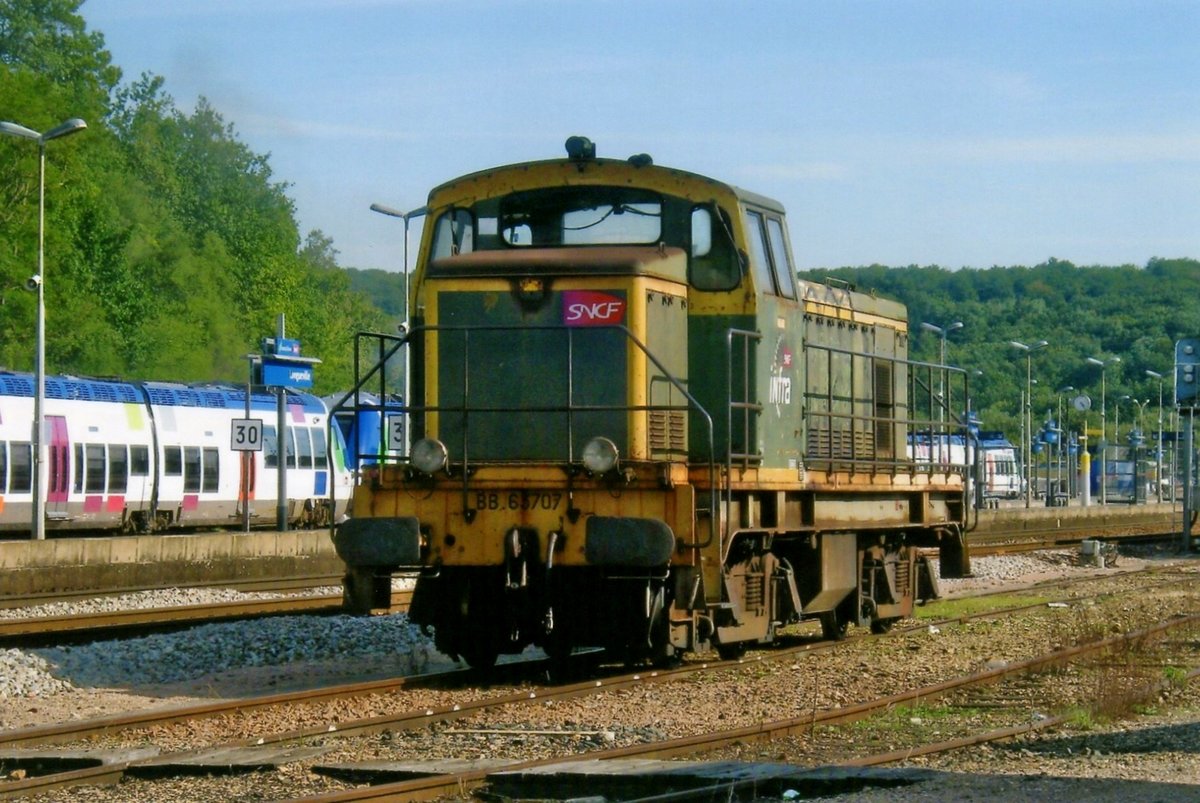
(589, 308)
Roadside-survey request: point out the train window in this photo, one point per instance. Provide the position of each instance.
(270, 447)
(118, 469)
(581, 216)
(212, 470)
(779, 255)
(758, 253)
(290, 443)
(320, 448)
(139, 461)
(454, 233)
(3, 464)
(712, 264)
(78, 484)
(21, 458)
(304, 446)
(95, 468)
(702, 228)
(191, 469)
(172, 461)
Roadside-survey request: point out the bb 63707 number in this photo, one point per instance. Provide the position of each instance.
(518, 500)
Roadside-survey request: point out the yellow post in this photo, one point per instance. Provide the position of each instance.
(1085, 473)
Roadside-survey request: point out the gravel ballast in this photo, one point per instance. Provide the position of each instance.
(258, 657)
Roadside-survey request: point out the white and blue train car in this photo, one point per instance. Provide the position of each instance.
(153, 456)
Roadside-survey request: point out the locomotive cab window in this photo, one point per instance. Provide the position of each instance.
(772, 268)
(712, 257)
(581, 216)
(784, 272)
(453, 233)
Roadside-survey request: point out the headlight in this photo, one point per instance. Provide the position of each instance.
(428, 455)
(600, 455)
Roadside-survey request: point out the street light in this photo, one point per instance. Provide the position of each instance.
(1158, 456)
(1064, 433)
(405, 216)
(39, 280)
(1117, 419)
(942, 332)
(1103, 425)
(1026, 420)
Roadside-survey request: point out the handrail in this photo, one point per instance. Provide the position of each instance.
(914, 428)
(570, 408)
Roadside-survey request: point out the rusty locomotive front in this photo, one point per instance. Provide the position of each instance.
(631, 426)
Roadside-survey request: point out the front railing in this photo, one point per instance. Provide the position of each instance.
(456, 415)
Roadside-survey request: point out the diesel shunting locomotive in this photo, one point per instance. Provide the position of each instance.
(632, 426)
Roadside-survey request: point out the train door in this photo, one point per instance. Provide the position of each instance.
(776, 433)
(59, 473)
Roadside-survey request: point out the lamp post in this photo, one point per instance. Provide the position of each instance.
(943, 403)
(942, 332)
(1117, 419)
(39, 281)
(1064, 451)
(1026, 420)
(1141, 405)
(1158, 455)
(405, 216)
(1103, 425)
(1117, 425)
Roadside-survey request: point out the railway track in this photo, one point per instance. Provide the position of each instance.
(281, 585)
(41, 630)
(461, 708)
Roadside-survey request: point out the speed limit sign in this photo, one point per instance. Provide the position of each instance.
(246, 435)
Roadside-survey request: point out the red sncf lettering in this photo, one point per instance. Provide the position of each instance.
(589, 308)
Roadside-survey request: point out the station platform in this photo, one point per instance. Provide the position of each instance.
(104, 563)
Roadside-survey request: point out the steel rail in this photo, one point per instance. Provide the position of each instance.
(109, 624)
(77, 730)
(431, 788)
(416, 719)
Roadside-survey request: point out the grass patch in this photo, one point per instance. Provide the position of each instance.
(902, 717)
(1176, 676)
(969, 606)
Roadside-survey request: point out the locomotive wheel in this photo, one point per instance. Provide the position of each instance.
(833, 627)
(479, 655)
(731, 652)
(881, 626)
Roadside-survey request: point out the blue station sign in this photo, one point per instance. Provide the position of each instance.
(286, 373)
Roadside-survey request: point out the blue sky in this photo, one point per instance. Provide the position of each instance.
(898, 132)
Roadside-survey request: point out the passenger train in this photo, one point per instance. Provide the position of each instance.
(634, 428)
(142, 457)
(998, 469)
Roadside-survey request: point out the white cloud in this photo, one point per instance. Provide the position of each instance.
(1078, 149)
